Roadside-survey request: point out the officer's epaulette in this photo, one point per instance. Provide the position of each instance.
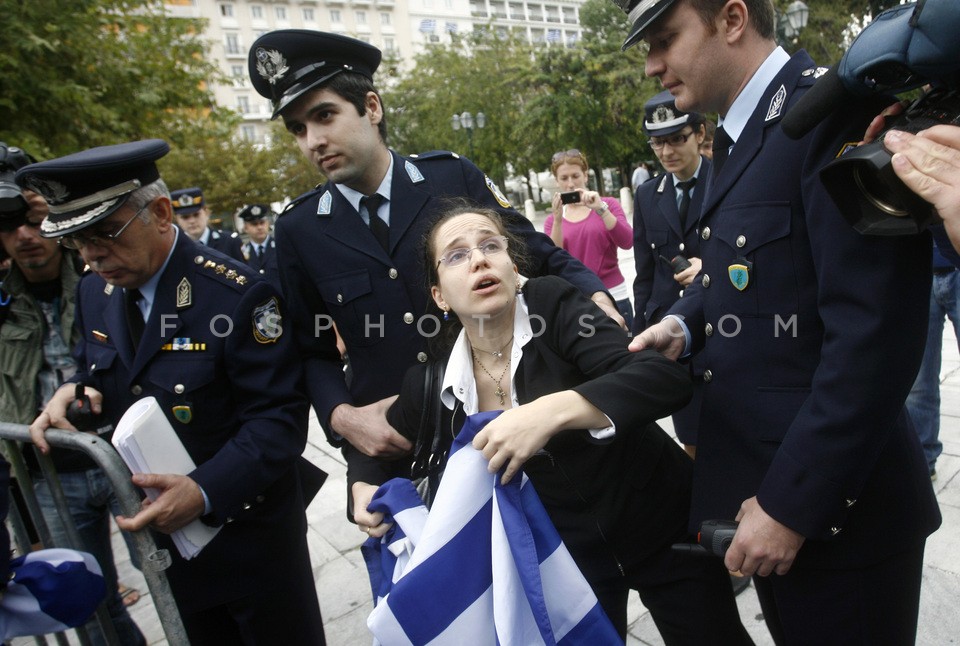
(300, 200)
(216, 269)
(435, 154)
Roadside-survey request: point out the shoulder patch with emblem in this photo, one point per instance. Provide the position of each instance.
(413, 172)
(325, 205)
(776, 104)
(267, 326)
(500, 197)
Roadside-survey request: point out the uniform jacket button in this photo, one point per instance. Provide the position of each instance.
(851, 503)
(681, 246)
(708, 330)
(741, 240)
(705, 234)
(835, 530)
(246, 506)
(707, 376)
(705, 281)
(261, 498)
(408, 318)
(393, 273)
(339, 298)
(422, 357)
(178, 389)
(136, 389)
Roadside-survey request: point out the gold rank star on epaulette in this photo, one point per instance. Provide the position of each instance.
(220, 269)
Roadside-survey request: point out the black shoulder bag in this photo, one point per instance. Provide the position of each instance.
(429, 453)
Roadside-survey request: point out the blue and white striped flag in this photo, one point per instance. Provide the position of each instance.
(486, 566)
(50, 591)
(553, 35)
(428, 25)
(451, 27)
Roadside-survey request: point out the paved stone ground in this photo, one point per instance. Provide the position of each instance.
(345, 594)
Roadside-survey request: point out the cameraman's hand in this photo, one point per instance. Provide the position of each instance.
(929, 165)
(879, 123)
(55, 413)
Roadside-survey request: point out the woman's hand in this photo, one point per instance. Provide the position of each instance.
(512, 438)
(591, 199)
(556, 206)
(367, 521)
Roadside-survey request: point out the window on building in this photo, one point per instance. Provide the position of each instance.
(335, 16)
(389, 44)
(243, 104)
(361, 17)
(237, 72)
(256, 12)
(226, 10)
(281, 13)
(308, 15)
(248, 132)
(232, 44)
(385, 19)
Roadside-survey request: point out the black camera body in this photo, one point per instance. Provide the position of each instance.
(904, 48)
(881, 203)
(570, 197)
(13, 207)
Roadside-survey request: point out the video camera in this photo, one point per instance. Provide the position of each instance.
(904, 48)
(13, 207)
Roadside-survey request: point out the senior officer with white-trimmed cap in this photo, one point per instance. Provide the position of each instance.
(193, 216)
(348, 251)
(260, 251)
(163, 316)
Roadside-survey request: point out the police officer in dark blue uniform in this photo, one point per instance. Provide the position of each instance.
(666, 245)
(163, 316)
(193, 216)
(260, 251)
(808, 355)
(348, 251)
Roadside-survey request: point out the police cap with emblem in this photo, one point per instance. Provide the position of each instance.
(661, 117)
(254, 212)
(286, 63)
(641, 13)
(187, 201)
(88, 186)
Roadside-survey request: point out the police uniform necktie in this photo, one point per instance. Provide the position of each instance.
(721, 149)
(685, 188)
(379, 228)
(259, 251)
(135, 321)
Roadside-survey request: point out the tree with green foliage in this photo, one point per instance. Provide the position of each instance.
(82, 73)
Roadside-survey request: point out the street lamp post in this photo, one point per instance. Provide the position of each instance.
(792, 21)
(466, 121)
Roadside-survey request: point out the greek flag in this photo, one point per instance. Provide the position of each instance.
(451, 27)
(428, 25)
(50, 591)
(553, 35)
(486, 566)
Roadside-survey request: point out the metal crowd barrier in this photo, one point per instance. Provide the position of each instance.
(153, 560)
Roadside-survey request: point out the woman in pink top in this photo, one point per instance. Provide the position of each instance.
(590, 228)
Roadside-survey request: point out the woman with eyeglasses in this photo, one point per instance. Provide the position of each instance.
(666, 244)
(590, 227)
(578, 416)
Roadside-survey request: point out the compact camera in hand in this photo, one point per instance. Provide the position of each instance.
(570, 197)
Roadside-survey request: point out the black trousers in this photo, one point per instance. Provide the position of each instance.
(689, 597)
(268, 617)
(878, 604)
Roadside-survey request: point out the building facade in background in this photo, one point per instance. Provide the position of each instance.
(401, 28)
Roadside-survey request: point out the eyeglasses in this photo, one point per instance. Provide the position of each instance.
(563, 154)
(488, 247)
(79, 240)
(657, 143)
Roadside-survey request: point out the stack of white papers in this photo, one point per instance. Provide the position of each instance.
(148, 444)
